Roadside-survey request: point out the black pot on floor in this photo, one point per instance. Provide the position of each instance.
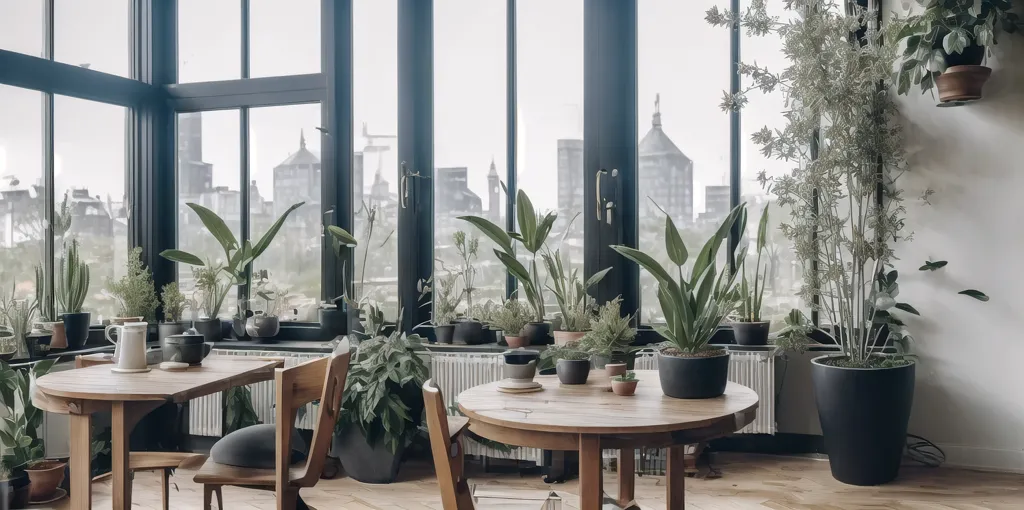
(469, 332)
(76, 327)
(694, 377)
(864, 414)
(209, 328)
(444, 334)
(751, 333)
(363, 462)
(573, 371)
(332, 322)
(539, 333)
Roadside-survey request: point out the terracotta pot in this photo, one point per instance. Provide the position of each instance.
(564, 337)
(962, 83)
(516, 342)
(45, 476)
(60, 339)
(624, 388)
(614, 369)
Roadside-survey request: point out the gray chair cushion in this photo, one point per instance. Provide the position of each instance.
(254, 447)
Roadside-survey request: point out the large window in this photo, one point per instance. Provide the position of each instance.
(22, 193)
(22, 26)
(89, 168)
(284, 37)
(94, 34)
(209, 40)
(469, 136)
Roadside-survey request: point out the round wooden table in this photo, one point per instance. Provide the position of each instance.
(589, 418)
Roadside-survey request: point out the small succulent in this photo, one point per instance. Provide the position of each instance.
(629, 376)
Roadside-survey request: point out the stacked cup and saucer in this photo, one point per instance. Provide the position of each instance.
(520, 367)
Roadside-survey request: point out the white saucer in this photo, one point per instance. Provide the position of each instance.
(130, 370)
(518, 386)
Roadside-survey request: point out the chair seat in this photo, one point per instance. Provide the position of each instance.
(222, 474)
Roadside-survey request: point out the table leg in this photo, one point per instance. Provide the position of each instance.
(120, 428)
(81, 454)
(627, 470)
(591, 485)
(675, 477)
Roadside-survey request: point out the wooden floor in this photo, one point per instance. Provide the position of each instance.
(747, 481)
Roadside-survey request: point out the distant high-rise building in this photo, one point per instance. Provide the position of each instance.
(194, 176)
(666, 174)
(493, 195)
(570, 177)
(452, 194)
(716, 203)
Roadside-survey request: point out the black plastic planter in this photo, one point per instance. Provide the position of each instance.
(573, 371)
(365, 463)
(864, 414)
(469, 332)
(76, 327)
(751, 333)
(694, 377)
(332, 322)
(444, 334)
(209, 328)
(539, 333)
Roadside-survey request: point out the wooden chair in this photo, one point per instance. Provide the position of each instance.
(445, 432)
(322, 379)
(164, 462)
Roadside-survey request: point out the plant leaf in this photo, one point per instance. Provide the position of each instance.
(933, 266)
(342, 235)
(527, 220)
(216, 226)
(264, 242)
(762, 230)
(674, 243)
(907, 308)
(645, 261)
(976, 294)
(492, 231)
(183, 257)
(596, 278)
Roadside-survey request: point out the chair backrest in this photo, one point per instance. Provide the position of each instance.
(322, 379)
(448, 455)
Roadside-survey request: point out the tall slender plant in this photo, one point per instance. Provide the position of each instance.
(72, 280)
(467, 248)
(44, 302)
(751, 299)
(575, 305)
(135, 290)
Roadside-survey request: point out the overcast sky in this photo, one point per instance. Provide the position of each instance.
(680, 57)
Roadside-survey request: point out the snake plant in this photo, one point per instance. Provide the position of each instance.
(72, 280)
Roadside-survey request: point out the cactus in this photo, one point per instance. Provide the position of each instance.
(72, 280)
(43, 301)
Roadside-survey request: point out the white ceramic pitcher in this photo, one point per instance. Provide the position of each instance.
(129, 345)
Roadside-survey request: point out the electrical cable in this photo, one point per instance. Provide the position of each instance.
(925, 452)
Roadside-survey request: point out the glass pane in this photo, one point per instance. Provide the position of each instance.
(94, 34)
(209, 174)
(284, 37)
(549, 141)
(684, 147)
(22, 223)
(284, 159)
(209, 40)
(375, 176)
(784, 269)
(89, 166)
(22, 26)
(469, 137)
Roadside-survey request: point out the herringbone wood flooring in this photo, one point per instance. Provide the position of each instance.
(747, 481)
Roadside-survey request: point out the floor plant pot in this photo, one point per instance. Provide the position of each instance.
(469, 332)
(16, 490)
(76, 329)
(959, 84)
(363, 462)
(516, 342)
(539, 333)
(444, 334)
(624, 388)
(166, 329)
(751, 333)
(332, 322)
(864, 414)
(564, 337)
(209, 328)
(703, 376)
(573, 371)
(45, 476)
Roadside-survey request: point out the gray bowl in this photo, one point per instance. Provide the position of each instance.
(520, 372)
(185, 348)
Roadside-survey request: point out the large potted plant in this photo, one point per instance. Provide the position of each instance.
(749, 328)
(946, 44)
(533, 232)
(693, 308)
(383, 405)
(134, 291)
(23, 449)
(611, 334)
(72, 286)
(575, 306)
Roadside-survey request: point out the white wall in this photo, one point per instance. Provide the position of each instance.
(970, 380)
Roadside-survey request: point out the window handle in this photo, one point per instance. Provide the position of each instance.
(403, 187)
(597, 190)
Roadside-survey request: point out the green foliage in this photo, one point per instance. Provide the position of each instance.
(945, 28)
(573, 351)
(511, 317)
(484, 312)
(340, 238)
(794, 336)
(273, 297)
(534, 230)
(174, 302)
(382, 393)
(238, 410)
(467, 248)
(629, 376)
(72, 280)
(43, 301)
(446, 300)
(751, 299)
(359, 298)
(693, 307)
(62, 218)
(211, 290)
(135, 290)
(611, 332)
(17, 315)
(575, 305)
(18, 430)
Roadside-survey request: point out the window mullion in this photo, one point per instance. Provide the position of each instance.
(243, 215)
(735, 135)
(511, 285)
(245, 39)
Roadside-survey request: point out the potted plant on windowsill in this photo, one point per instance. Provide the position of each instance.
(382, 405)
(575, 305)
(748, 328)
(134, 291)
(484, 312)
(625, 385)
(333, 314)
(534, 230)
(72, 286)
(511, 317)
(357, 301)
(610, 336)
(470, 329)
(946, 44)
(210, 293)
(265, 324)
(18, 315)
(572, 362)
(174, 310)
(47, 313)
(446, 300)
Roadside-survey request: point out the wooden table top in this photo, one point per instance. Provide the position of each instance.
(594, 409)
(217, 373)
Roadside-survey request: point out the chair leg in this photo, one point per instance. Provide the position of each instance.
(207, 497)
(165, 492)
(220, 497)
(288, 499)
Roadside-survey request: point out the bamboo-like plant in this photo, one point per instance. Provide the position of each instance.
(135, 290)
(72, 280)
(751, 299)
(575, 305)
(534, 230)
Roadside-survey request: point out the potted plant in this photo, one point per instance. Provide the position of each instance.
(511, 317)
(611, 334)
(572, 362)
(533, 232)
(174, 310)
(8, 345)
(17, 316)
(946, 44)
(72, 287)
(749, 328)
(237, 257)
(446, 300)
(693, 308)
(624, 385)
(47, 313)
(134, 291)
(332, 314)
(265, 324)
(574, 304)
(484, 312)
(469, 330)
(357, 301)
(383, 404)
(23, 450)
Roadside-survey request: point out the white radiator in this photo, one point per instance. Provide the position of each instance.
(455, 372)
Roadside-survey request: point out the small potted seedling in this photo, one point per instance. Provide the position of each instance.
(572, 362)
(624, 385)
(174, 309)
(511, 317)
(446, 299)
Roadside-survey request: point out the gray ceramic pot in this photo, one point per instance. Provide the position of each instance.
(694, 377)
(209, 328)
(185, 348)
(263, 327)
(365, 463)
(573, 371)
(166, 329)
(520, 372)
